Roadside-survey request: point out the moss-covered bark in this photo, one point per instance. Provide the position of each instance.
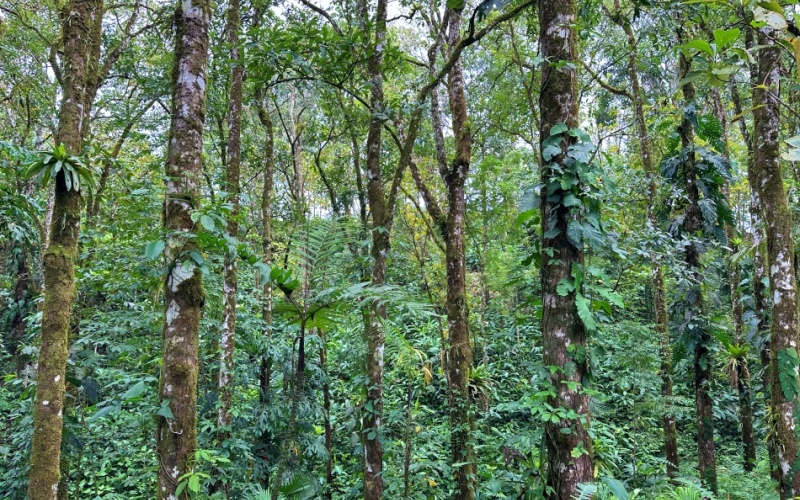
(78, 19)
(230, 285)
(176, 438)
(371, 421)
(703, 359)
(569, 454)
(657, 272)
(768, 182)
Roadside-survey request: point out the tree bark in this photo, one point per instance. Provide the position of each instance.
(230, 285)
(371, 423)
(569, 459)
(742, 375)
(703, 358)
(656, 268)
(459, 353)
(176, 438)
(768, 182)
(78, 19)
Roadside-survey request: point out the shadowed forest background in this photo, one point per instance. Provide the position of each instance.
(525, 249)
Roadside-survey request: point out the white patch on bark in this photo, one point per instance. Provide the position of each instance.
(58, 377)
(178, 275)
(45, 402)
(172, 312)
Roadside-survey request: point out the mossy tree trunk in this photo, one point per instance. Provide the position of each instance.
(703, 358)
(176, 437)
(381, 220)
(78, 19)
(569, 460)
(459, 353)
(230, 286)
(741, 375)
(657, 271)
(768, 182)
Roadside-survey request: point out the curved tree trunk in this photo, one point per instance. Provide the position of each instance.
(569, 460)
(780, 252)
(176, 438)
(78, 21)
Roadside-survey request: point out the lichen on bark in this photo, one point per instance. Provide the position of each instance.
(176, 438)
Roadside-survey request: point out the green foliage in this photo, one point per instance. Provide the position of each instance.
(788, 365)
(49, 163)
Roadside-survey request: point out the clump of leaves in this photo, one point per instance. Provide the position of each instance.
(49, 163)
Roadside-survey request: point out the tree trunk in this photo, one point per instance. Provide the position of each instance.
(266, 249)
(742, 376)
(569, 459)
(228, 336)
(176, 438)
(371, 423)
(78, 18)
(657, 271)
(21, 290)
(459, 355)
(703, 359)
(780, 252)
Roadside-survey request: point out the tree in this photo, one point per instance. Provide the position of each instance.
(176, 437)
(569, 448)
(228, 336)
(767, 180)
(79, 18)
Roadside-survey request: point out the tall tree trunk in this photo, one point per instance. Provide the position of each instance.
(230, 284)
(266, 250)
(780, 252)
(569, 459)
(742, 373)
(176, 438)
(703, 359)
(459, 355)
(78, 18)
(228, 337)
(657, 270)
(371, 424)
(21, 290)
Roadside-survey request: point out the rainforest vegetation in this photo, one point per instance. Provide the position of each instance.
(400, 249)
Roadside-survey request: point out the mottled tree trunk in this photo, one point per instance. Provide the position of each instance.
(657, 272)
(371, 423)
(569, 459)
(780, 251)
(176, 438)
(230, 285)
(459, 355)
(703, 358)
(78, 19)
(742, 375)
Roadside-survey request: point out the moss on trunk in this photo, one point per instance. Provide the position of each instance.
(78, 19)
(176, 438)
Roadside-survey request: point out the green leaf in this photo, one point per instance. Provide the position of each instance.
(558, 129)
(788, 363)
(565, 287)
(194, 484)
(455, 4)
(154, 249)
(207, 222)
(164, 410)
(617, 488)
(700, 45)
(135, 391)
(585, 312)
(722, 38)
(102, 412)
